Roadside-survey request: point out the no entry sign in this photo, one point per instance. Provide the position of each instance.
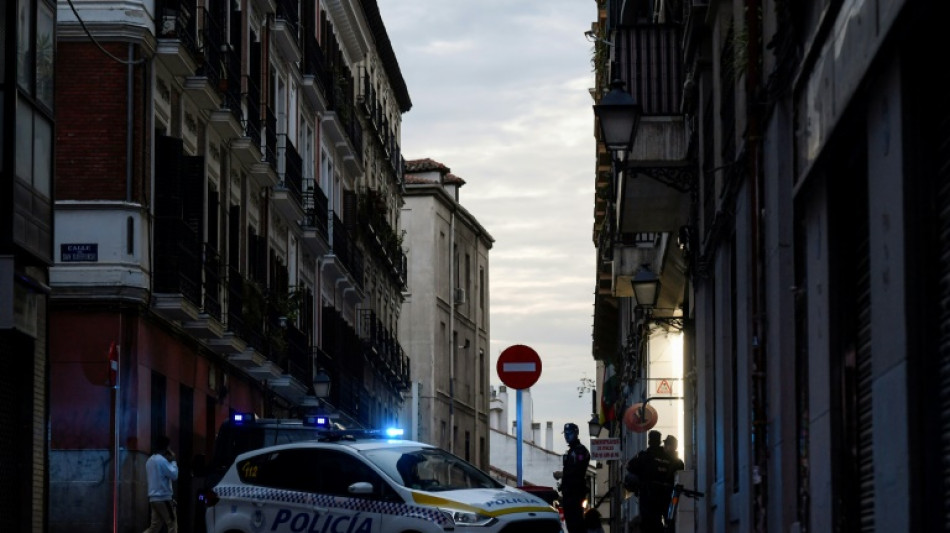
(519, 366)
(640, 418)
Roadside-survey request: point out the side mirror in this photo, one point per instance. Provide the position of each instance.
(361, 487)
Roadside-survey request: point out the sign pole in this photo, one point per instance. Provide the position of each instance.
(520, 435)
(519, 367)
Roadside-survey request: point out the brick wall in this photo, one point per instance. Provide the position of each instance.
(91, 120)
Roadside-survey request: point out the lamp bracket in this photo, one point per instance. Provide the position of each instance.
(681, 178)
(675, 322)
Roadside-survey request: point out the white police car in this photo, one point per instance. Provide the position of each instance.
(362, 482)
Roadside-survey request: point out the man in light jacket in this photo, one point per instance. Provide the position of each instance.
(161, 469)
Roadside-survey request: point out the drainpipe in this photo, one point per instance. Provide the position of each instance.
(754, 142)
(129, 124)
(451, 339)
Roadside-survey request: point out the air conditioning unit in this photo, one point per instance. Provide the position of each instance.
(459, 295)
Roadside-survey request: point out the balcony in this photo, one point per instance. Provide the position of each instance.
(228, 120)
(379, 236)
(316, 75)
(176, 279)
(285, 27)
(341, 356)
(315, 224)
(383, 351)
(209, 81)
(344, 263)
(653, 191)
(177, 39)
(342, 127)
(232, 342)
(286, 196)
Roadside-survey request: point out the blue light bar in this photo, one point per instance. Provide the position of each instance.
(394, 432)
(317, 421)
(239, 418)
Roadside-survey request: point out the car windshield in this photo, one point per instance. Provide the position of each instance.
(430, 469)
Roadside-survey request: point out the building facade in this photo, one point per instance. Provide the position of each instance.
(445, 321)
(787, 185)
(27, 60)
(229, 180)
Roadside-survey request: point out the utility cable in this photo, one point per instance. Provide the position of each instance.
(93, 39)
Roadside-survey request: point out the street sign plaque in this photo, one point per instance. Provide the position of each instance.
(605, 449)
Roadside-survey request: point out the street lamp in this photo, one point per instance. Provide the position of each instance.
(594, 425)
(619, 115)
(646, 287)
(321, 385)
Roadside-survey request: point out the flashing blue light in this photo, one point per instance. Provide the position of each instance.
(239, 418)
(394, 432)
(317, 421)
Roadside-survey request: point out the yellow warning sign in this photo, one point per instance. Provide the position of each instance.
(664, 387)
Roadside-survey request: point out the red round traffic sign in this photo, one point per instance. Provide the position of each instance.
(640, 418)
(519, 366)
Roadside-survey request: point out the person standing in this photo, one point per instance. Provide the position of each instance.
(573, 478)
(670, 444)
(161, 469)
(651, 468)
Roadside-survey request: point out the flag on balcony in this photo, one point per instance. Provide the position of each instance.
(611, 393)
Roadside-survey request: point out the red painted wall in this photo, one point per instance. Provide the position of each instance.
(81, 400)
(80, 397)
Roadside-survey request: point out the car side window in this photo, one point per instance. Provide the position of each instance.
(339, 470)
(284, 469)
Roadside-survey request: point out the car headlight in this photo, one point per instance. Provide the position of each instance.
(468, 518)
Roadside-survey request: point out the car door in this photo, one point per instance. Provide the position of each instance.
(351, 496)
(282, 486)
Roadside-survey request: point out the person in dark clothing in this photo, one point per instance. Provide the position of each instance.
(676, 464)
(573, 480)
(651, 467)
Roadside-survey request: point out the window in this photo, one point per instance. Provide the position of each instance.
(481, 288)
(285, 469)
(468, 274)
(36, 50)
(34, 149)
(337, 471)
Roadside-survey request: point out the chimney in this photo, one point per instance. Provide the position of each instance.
(527, 407)
(536, 433)
(549, 437)
(495, 412)
(503, 396)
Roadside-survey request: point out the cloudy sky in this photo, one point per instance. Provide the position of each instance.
(500, 96)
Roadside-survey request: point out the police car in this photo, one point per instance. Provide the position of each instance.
(365, 482)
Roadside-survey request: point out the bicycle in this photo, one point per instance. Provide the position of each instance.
(669, 521)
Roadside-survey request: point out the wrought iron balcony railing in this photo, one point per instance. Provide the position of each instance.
(270, 139)
(235, 303)
(314, 64)
(345, 249)
(315, 206)
(179, 21)
(177, 259)
(297, 355)
(252, 125)
(211, 263)
(293, 170)
(384, 349)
